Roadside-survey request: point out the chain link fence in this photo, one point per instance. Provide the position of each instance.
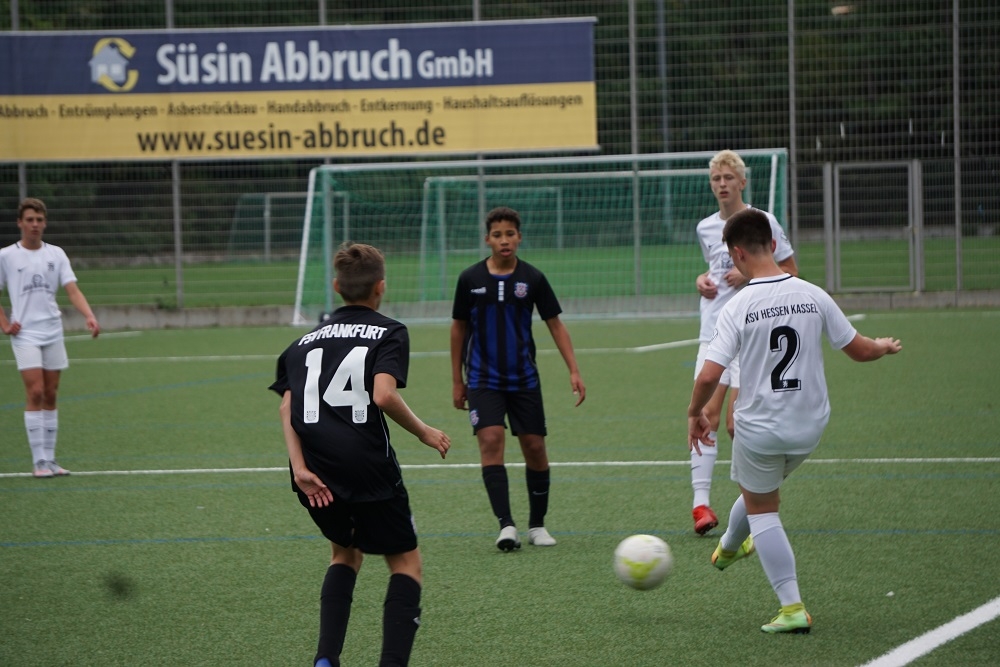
(837, 82)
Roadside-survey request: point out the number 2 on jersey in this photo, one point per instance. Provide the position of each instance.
(351, 370)
(791, 336)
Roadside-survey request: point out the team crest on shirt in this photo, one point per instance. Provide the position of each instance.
(473, 417)
(520, 290)
(52, 266)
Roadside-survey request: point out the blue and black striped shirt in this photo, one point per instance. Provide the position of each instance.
(499, 350)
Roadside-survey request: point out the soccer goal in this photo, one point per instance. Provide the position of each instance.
(615, 235)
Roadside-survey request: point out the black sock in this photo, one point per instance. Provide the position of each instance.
(400, 620)
(538, 496)
(335, 611)
(497, 488)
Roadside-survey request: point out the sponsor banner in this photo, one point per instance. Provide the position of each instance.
(328, 123)
(403, 90)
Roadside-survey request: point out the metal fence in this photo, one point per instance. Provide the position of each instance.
(840, 83)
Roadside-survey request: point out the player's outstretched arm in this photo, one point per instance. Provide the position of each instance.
(863, 348)
(388, 400)
(307, 481)
(565, 346)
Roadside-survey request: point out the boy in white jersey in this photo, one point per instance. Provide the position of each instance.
(776, 325)
(727, 177)
(31, 271)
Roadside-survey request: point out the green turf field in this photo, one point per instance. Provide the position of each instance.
(177, 541)
(575, 273)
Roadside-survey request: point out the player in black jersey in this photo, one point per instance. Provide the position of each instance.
(337, 385)
(491, 341)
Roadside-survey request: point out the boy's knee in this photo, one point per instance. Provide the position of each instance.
(490, 438)
(533, 448)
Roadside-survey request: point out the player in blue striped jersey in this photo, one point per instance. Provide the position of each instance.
(494, 370)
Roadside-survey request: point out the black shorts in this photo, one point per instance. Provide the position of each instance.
(375, 527)
(487, 407)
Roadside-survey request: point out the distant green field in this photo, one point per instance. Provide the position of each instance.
(178, 542)
(575, 273)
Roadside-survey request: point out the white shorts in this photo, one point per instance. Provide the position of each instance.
(730, 376)
(50, 357)
(761, 473)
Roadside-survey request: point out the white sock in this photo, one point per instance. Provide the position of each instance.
(50, 429)
(776, 556)
(701, 472)
(36, 435)
(739, 526)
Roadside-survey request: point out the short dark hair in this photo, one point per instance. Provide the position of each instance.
(30, 203)
(358, 267)
(501, 213)
(749, 229)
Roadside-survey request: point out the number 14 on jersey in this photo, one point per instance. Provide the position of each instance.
(350, 373)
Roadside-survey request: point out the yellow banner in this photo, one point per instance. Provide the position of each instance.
(364, 123)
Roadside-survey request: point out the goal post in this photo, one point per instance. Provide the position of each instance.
(614, 234)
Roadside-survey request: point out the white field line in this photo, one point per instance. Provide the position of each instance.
(559, 464)
(413, 355)
(925, 643)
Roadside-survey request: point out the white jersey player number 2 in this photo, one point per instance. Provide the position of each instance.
(351, 370)
(791, 339)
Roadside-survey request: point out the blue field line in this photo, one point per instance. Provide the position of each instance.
(156, 540)
(58, 487)
(286, 538)
(147, 390)
(680, 532)
(48, 486)
(273, 358)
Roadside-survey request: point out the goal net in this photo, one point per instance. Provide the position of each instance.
(266, 226)
(615, 235)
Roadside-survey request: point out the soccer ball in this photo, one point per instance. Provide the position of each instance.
(643, 561)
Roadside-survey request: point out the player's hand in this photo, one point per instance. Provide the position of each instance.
(890, 345)
(95, 328)
(698, 430)
(437, 439)
(706, 287)
(314, 488)
(13, 329)
(736, 279)
(459, 395)
(579, 390)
